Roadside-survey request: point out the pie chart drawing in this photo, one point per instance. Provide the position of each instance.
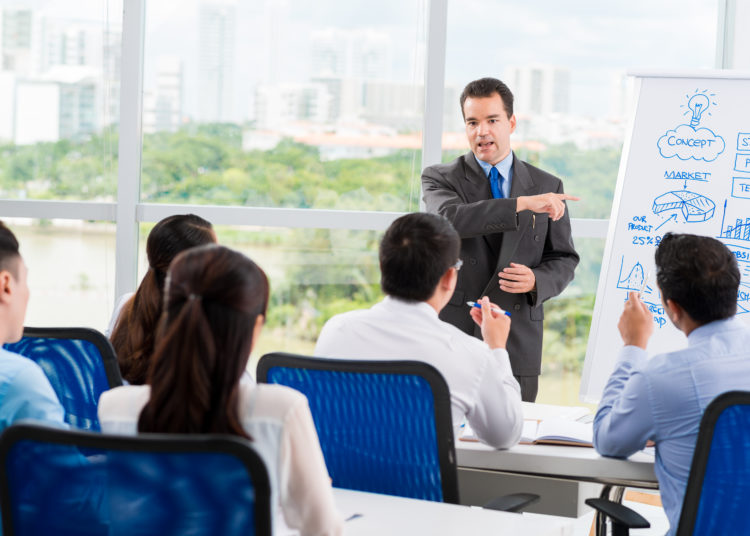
(694, 207)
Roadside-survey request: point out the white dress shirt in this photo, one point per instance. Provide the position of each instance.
(278, 420)
(481, 383)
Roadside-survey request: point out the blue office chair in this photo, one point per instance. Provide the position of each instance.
(718, 490)
(151, 484)
(80, 364)
(384, 426)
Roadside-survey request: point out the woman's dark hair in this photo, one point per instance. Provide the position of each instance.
(700, 274)
(212, 300)
(416, 251)
(133, 335)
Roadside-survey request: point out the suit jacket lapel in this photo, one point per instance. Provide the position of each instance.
(478, 186)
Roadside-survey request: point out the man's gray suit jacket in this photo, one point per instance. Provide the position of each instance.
(492, 236)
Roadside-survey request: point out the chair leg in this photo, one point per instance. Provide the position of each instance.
(613, 493)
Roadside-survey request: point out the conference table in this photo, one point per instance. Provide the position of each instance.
(374, 514)
(564, 476)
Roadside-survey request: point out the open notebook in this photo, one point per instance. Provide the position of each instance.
(558, 432)
(547, 424)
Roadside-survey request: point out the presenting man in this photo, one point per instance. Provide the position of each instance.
(513, 223)
(663, 398)
(419, 265)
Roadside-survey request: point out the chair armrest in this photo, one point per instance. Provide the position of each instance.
(622, 515)
(512, 503)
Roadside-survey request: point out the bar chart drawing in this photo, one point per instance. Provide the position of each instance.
(740, 230)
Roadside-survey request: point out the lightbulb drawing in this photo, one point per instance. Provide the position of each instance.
(698, 104)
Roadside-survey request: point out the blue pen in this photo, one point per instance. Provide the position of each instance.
(494, 309)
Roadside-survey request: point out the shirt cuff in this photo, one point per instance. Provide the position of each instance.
(633, 355)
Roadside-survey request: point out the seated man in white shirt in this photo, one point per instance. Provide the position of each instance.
(419, 265)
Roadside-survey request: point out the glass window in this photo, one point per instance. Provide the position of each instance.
(567, 320)
(284, 103)
(314, 274)
(566, 64)
(71, 271)
(59, 99)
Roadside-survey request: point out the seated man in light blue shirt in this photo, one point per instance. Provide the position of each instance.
(663, 398)
(25, 392)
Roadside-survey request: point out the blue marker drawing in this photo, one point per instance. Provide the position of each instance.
(688, 141)
(635, 278)
(742, 162)
(743, 141)
(743, 299)
(657, 309)
(698, 104)
(693, 207)
(741, 187)
(673, 217)
(685, 176)
(739, 231)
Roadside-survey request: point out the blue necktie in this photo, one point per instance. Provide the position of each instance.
(495, 181)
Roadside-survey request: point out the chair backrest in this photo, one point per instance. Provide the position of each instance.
(152, 484)
(718, 491)
(384, 426)
(80, 364)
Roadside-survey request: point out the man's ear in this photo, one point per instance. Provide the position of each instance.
(6, 286)
(675, 312)
(448, 281)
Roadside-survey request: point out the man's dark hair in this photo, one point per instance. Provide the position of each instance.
(416, 251)
(9, 253)
(698, 273)
(486, 87)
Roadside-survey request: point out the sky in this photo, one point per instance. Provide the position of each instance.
(593, 39)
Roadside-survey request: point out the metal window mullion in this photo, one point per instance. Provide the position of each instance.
(434, 84)
(129, 159)
(725, 29)
(63, 210)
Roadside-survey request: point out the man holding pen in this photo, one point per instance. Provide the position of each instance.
(419, 264)
(663, 398)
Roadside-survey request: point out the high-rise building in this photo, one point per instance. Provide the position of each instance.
(216, 60)
(16, 26)
(539, 89)
(345, 61)
(63, 104)
(163, 105)
(622, 93)
(279, 104)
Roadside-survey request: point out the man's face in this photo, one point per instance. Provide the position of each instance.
(17, 295)
(488, 127)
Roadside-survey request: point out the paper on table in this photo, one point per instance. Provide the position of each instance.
(550, 431)
(558, 432)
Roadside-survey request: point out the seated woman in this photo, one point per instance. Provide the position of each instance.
(215, 303)
(133, 325)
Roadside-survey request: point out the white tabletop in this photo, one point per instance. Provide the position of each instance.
(575, 463)
(384, 514)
